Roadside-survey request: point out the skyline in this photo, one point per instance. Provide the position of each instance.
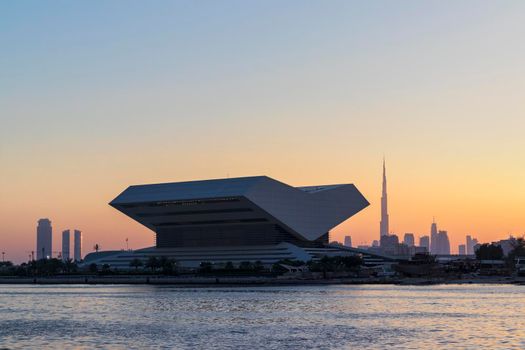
(99, 96)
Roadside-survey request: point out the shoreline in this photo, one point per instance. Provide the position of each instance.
(249, 281)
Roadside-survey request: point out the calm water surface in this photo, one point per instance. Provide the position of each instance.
(306, 317)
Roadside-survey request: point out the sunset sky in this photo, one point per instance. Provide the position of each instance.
(98, 95)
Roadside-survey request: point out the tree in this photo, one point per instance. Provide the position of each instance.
(245, 266)
(229, 266)
(489, 252)
(6, 264)
(70, 266)
(518, 250)
(93, 268)
(258, 266)
(136, 263)
(152, 263)
(96, 247)
(205, 267)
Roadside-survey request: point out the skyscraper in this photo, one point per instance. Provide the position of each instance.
(78, 246)
(44, 239)
(383, 225)
(461, 249)
(409, 240)
(433, 238)
(424, 241)
(443, 243)
(470, 244)
(348, 241)
(65, 245)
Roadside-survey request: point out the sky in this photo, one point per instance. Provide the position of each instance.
(99, 95)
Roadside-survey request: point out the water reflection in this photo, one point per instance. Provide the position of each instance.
(305, 317)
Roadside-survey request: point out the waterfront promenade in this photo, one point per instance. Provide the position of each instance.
(251, 281)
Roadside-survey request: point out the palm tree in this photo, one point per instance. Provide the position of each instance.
(136, 263)
(152, 263)
(70, 265)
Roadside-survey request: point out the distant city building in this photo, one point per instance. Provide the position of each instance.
(389, 244)
(409, 240)
(375, 243)
(434, 238)
(424, 241)
(44, 239)
(348, 241)
(65, 245)
(414, 250)
(443, 243)
(462, 249)
(78, 246)
(363, 246)
(470, 244)
(383, 225)
(506, 244)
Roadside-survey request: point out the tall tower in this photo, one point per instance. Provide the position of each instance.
(383, 225)
(65, 245)
(44, 239)
(434, 245)
(78, 246)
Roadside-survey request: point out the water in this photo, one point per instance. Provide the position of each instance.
(304, 317)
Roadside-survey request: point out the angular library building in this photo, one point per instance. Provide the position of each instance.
(235, 219)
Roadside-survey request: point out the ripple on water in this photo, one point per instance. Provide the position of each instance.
(300, 317)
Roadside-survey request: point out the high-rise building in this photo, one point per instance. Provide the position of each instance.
(409, 240)
(348, 241)
(443, 243)
(424, 241)
(434, 238)
(470, 244)
(383, 225)
(65, 245)
(78, 246)
(461, 249)
(44, 239)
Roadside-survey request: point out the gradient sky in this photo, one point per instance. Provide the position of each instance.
(98, 95)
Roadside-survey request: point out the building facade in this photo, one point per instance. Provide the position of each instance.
(409, 239)
(424, 241)
(384, 223)
(44, 239)
(65, 245)
(77, 246)
(236, 219)
(348, 241)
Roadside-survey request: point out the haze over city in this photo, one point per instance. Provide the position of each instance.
(97, 96)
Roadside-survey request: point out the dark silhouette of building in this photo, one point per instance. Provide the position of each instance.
(409, 239)
(424, 241)
(470, 244)
(44, 239)
(78, 246)
(434, 238)
(65, 245)
(383, 225)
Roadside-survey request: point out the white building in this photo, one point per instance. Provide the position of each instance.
(233, 220)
